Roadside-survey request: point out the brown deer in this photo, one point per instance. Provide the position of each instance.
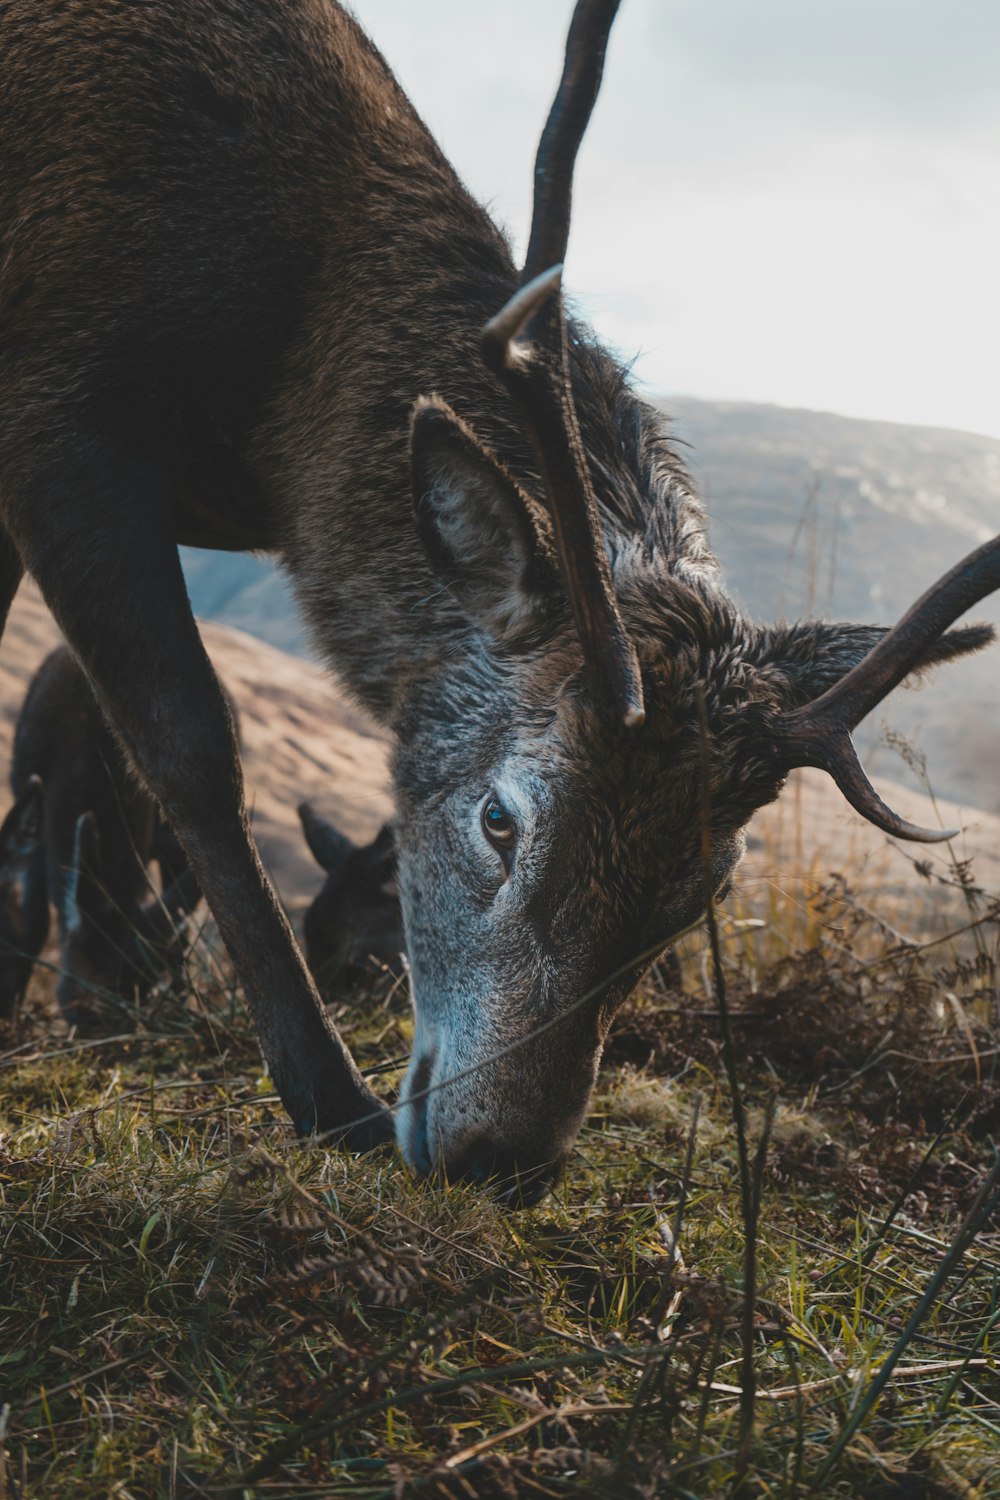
(82, 834)
(355, 924)
(246, 303)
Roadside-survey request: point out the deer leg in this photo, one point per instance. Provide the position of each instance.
(96, 532)
(179, 889)
(11, 573)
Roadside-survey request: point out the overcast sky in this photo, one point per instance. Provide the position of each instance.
(794, 201)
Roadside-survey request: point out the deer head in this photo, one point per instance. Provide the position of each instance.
(573, 787)
(355, 921)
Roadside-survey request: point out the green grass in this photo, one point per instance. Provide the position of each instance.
(192, 1303)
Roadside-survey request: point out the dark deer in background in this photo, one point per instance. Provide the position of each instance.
(233, 262)
(24, 904)
(355, 924)
(83, 834)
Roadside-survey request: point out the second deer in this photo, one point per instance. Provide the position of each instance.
(355, 923)
(81, 835)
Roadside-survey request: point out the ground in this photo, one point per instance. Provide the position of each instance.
(193, 1303)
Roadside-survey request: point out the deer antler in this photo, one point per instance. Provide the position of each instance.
(526, 346)
(819, 733)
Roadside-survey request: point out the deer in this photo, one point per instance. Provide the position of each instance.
(354, 925)
(80, 836)
(246, 303)
(24, 906)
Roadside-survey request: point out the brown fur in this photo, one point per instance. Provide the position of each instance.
(24, 906)
(231, 261)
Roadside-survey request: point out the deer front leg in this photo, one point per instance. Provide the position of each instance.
(96, 531)
(11, 573)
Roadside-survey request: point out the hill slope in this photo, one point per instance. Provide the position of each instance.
(300, 740)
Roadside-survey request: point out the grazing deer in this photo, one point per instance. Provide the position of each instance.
(356, 919)
(82, 834)
(246, 303)
(24, 905)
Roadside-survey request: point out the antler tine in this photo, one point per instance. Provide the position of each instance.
(568, 118)
(525, 345)
(819, 733)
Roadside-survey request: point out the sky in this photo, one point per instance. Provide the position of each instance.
(790, 201)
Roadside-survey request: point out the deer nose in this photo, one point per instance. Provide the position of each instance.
(413, 1134)
(519, 1180)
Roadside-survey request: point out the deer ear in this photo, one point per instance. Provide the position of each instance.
(801, 661)
(179, 898)
(330, 848)
(21, 830)
(377, 862)
(486, 540)
(383, 846)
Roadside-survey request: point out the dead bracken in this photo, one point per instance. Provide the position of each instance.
(192, 1303)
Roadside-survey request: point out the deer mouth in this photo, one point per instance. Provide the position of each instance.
(512, 1174)
(507, 1174)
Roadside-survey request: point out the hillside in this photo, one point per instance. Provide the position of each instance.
(300, 740)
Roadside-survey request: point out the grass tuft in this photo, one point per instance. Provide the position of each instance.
(193, 1303)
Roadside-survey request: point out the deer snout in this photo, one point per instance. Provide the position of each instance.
(501, 1128)
(517, 1175)
(514, 1176)
(411, 1123)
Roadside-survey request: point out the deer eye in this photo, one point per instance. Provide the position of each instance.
(498, 825)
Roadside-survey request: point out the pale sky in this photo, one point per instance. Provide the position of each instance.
(794, 201)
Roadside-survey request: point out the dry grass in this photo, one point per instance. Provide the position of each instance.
(191, 1303)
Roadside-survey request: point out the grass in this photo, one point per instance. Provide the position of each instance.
(192, 1303)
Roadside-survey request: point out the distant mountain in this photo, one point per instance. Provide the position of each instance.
(810, 514)
(247, 592)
